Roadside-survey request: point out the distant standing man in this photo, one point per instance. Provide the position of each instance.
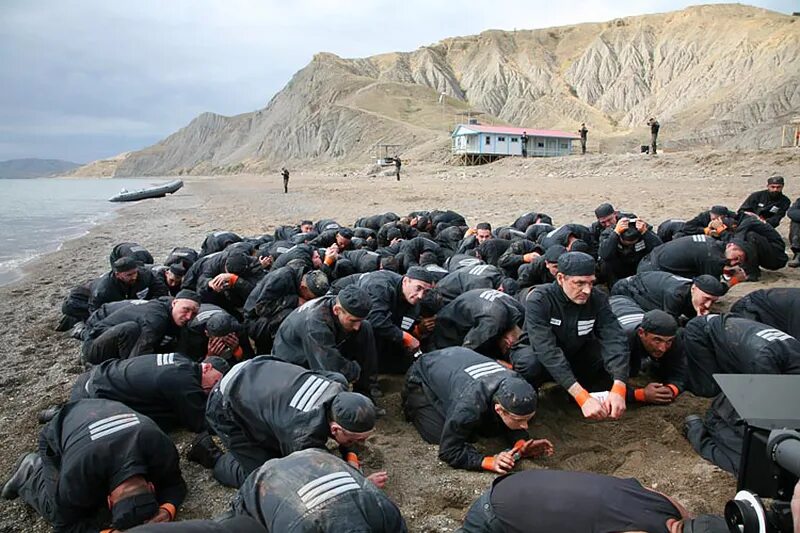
(397, 164)
(285, 174)
(584, 132)
(654, 127)
(524, 140)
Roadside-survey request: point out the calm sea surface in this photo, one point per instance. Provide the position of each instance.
(38, 215)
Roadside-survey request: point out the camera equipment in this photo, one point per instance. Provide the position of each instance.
(770, 464)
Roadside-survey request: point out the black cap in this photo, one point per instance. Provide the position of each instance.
(603, 210)
(510, 286)
(705, 523)
(354, 412)
(579, 245)
(125, 264)
(659, 322)
(237, 264)
(317, 282)
(218, 363)
(355, 301)
(631, 234)
(516, 396)
(177, 269)
(775, 180)
(134, 510)
(420, 274)
(576, 264)
(554, 252)
(719, 210)
(392, 234)
(220, 324)
(187, 294)
(347, 233)
(710, 285)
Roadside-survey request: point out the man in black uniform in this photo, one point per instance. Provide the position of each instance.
(623, 247)
(394, 313)
(341, 237)
(228, 281)
(311, 490)
(171, 276)
(126, 281)
(653, 339)
(169, 388)
(678, 296)
(695, 255)
(794, 233)
(542, 269)
(577, 339)
(411, 251)
(266, 408)
(779, 308)
(285, 175)
(769, 205)
(583, 133)
(654, 127)
(98, 453)
(331, 333)
(214, 332)
(138, 327)
(702, 223)
(607, 217)
(521, 252)
(218, 241)
(466, 279)
(455, 394)
(545, 501)
(729, 344)
(489, 322)
(131, 249)
(279, 293)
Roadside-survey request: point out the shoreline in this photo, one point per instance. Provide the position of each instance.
(39, 365)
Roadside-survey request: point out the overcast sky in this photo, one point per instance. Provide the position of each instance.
(86, 79)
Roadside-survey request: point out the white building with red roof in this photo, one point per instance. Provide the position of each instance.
(481, 143)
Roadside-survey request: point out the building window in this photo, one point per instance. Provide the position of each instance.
(501, 139)
(488, 141)
(540, 145)
(564, 145)
(514, 139)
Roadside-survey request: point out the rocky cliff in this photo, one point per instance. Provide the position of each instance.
(725, 75)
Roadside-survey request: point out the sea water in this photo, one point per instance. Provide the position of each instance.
(38, 215)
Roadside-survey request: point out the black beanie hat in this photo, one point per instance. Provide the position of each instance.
(420, 274)
(220, 324)
(552, 254)
(576, 264)
(659, 322)
(218, 363)
(177, 269)
(354, 412)
(187, 294)
(603, 210)
(125, 264)
(317, 282)
(355, 301)
(237, 264)
(516, 396)
(710, 285)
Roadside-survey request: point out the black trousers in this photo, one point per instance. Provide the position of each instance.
(285, 185)
(481, 518)
(721, 436)
(653, 142)
(583, 145)
(117, 342)
(794, 237)
(701, 361)
(420, 411)
(243, 455)
(262, 330)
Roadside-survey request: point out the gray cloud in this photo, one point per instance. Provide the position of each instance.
(88, 79)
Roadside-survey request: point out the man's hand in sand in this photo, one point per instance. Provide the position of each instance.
(537, 448)
(379, 479)
(503, 462)
(594, 409)
(658, 394)
(615, 404)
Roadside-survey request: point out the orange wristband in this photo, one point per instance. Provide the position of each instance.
(329, 260)
(506, 364)
(238, 353)
(732, 282)
(408, 339)
(518, 446)
(674, 389)
(233, 279)
(352, 458)
(488, 463)
(619, 388)
(707, 231)
(582, 397)
(639, 395)
(169, 508)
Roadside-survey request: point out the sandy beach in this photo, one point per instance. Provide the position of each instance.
(39, 365)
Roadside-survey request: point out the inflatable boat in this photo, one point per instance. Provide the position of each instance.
(151, 192)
